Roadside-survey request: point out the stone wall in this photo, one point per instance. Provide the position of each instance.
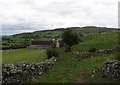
(24, 72)
(110, 70)
(83, 55)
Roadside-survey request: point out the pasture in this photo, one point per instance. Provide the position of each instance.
(26, 54)
(99, 41)
(69, 69)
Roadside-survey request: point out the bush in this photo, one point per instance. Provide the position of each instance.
(117, 57)
(92, 50)
(70, 38)
(61, 44)
(52, 52)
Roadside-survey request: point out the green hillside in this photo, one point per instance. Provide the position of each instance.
(24, 39)
(100, 41)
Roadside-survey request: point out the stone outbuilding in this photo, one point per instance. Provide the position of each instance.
(41, 43)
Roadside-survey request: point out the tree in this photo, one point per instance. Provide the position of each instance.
(69, 38)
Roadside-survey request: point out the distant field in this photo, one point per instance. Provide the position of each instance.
(28, 55)
(48, 34)
(100, 41)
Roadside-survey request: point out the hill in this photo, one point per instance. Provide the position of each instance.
(105, 40)
(24, 39)
(71, 69)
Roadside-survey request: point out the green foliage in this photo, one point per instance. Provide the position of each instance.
(70, 39)
(23, 40)
(92, 50)
(52, 52)
(12, 42)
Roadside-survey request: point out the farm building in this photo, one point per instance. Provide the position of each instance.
(41, 43)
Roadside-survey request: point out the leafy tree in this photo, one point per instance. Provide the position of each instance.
(70, 38)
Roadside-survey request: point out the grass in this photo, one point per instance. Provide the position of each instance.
(28, 55)
(48, 34)
(70, 69)
(89, 64)
(100, 41)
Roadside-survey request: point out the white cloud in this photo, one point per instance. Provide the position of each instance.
(59, 13)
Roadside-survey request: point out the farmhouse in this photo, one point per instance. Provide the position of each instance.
(41, 43)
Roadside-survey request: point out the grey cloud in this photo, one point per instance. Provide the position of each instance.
(49, 14)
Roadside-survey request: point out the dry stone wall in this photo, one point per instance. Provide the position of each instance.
(83, 55)
(110, 70)
(24, 72)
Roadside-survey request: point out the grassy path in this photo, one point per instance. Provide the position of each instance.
(70, 69)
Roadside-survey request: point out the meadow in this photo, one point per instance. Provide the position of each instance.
(70, 69)
(25, 54)
(100, 41)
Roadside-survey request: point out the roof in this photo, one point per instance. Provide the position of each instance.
(42, 42)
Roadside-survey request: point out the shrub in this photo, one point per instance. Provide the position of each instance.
(52, 52)
(70, 38)
(117, 57)
(92, 50)
(61, 44)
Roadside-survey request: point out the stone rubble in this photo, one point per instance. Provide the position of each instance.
(117, 48)
(24, 72)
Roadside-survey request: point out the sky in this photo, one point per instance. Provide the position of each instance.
(19, 16)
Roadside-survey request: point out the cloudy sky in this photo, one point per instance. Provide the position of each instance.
(18, 16)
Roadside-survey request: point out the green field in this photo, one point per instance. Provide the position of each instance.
(70, 69)
(28, 55)
(99, 41)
